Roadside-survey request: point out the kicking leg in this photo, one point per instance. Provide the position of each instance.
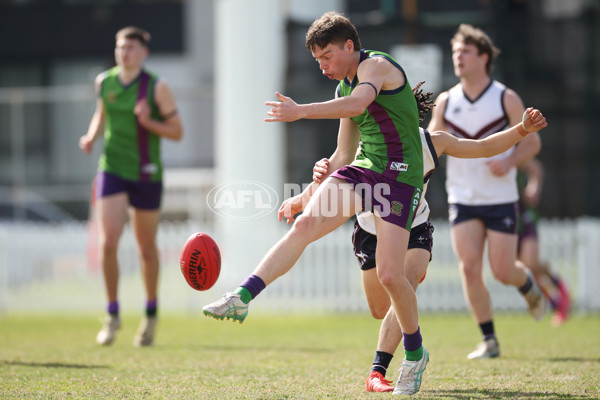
(331, 205)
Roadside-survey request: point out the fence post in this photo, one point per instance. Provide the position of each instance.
(588, 254)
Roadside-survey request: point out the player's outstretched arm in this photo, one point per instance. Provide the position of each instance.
(287, 110)
(532, 121)
(373, 71)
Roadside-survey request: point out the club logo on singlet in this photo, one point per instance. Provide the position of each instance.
(111, 96)
(398, 166)
(396, 208)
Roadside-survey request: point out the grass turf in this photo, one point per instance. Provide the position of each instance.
(290, 357)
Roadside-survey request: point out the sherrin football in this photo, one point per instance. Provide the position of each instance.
(200, 261)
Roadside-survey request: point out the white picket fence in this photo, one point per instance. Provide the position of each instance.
(53, 267)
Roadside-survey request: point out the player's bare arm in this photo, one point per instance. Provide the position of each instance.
(170, 127)
(437, 116)
(380, 73)
(534, 171)
(532, 144)
(86, 142)
(287, 110)
(532, 121)
(526, 149)
(321, 168)
(373, 74)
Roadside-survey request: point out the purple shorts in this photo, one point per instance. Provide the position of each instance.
(143, 195)
(396, 202)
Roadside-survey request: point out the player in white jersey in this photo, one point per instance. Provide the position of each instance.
(482, 193)
(421, 241)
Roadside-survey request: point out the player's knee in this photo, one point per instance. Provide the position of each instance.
(470, 271)
(378, 313)
(148, 251)
(304, 228)
(108, 245)
(388, 277)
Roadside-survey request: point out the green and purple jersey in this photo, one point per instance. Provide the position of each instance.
(389, 130)
(130, 151)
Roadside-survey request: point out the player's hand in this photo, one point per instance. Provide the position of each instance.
(291, 207)
(320, 170)
(499, 167)
(285, 110)
(142, 111)
(86, 144)
(533, 120)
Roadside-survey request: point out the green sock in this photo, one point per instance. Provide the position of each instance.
(244, 293)
(414, 355)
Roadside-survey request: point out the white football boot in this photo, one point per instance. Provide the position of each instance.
(535, 299)
(145, 333)
(229, 306)
(411, 375)
(109, 330)
(486, 349)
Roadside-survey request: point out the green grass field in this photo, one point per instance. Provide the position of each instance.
(289, 357)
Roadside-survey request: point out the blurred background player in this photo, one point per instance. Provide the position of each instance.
(136, 110)
(420, 245)
(531, 176)
(482, 193)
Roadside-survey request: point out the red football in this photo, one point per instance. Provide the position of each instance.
(200, 261)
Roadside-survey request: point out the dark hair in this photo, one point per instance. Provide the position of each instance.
(133, 32)
(424, 101)
(332, 27)
(470, 35)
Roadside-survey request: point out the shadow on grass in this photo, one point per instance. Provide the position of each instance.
(499, 394)
(52, 365)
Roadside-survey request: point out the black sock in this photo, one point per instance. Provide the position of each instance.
(487, 329)
(381, 362)
(151, 307)
(525, 288)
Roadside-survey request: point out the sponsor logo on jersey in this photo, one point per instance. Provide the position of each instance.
(398, 166)
(150, 169)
